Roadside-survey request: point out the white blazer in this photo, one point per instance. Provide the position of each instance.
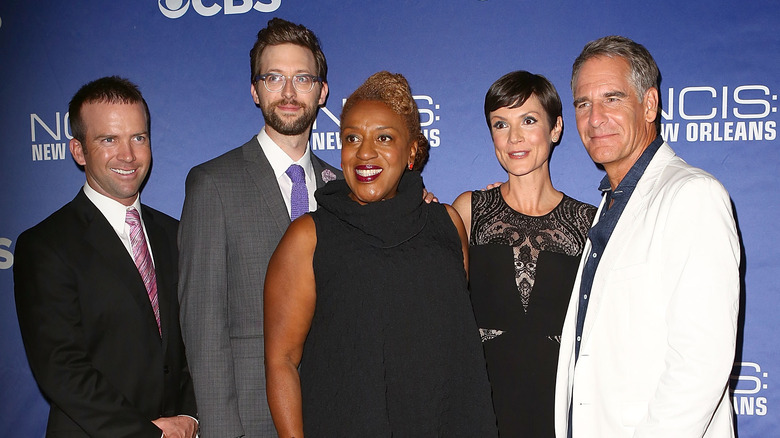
(660, 331)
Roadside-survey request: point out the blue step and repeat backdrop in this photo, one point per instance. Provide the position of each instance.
(721, 78)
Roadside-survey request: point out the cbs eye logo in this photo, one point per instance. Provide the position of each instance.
(177, 8)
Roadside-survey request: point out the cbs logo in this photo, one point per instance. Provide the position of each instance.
(177, 8)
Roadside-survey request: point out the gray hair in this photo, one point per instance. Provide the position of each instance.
(644, 72)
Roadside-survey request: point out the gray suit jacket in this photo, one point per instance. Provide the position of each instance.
(233, 218)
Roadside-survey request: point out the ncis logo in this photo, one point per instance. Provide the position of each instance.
(177, 8)
(719, 114)
(330, 139)
(48, 142)
(6, 256)
(748, 382)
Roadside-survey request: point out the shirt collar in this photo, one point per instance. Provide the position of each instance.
(278, 159)
(637, 170)
(114, 212)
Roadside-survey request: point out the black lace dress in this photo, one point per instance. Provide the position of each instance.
(522, 270)
(393, 349)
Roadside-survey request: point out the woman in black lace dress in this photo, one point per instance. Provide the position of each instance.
(525, 241)
(369, 330)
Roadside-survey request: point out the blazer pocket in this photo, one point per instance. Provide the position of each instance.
(632, 413)
(630, 272)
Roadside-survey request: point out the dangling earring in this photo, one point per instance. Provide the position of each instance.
(411, 165)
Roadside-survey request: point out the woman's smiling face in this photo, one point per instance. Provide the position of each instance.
(376, 148)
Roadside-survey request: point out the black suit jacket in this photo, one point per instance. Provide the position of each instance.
(89, 329)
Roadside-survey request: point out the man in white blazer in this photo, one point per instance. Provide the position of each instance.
(649, 337)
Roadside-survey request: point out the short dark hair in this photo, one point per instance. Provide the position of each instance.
(279, 31)
(393, 90)
(643, 73)
(110, 89)
(513, 89)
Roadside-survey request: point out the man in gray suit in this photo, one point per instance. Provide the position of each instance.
(237, 207)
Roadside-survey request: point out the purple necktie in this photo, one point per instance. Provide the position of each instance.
(143, 260)
(299, 196)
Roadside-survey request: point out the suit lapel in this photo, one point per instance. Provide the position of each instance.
(637, 206)
(620, 241)
(262, 174)
(595, 298)
(112, 253)
(322, 173)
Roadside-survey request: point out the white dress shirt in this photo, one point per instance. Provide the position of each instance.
(280, 161)
(115, 213)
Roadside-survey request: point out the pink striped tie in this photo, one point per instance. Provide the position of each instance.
(143, 260)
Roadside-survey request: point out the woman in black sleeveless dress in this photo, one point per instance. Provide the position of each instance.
(369, 330)
(525, 241)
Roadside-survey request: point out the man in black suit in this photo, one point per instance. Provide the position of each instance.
(95, 286)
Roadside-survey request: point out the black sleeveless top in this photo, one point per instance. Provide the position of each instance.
(522, 270)
(393, 348)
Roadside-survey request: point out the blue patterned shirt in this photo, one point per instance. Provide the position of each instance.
(600, 233)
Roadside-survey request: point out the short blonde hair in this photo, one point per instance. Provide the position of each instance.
(393, 90)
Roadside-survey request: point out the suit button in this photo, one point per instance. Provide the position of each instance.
(165, 369)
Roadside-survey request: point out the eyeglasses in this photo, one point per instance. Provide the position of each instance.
(275, 82)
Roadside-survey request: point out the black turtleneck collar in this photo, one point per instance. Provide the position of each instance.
(386, 223)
